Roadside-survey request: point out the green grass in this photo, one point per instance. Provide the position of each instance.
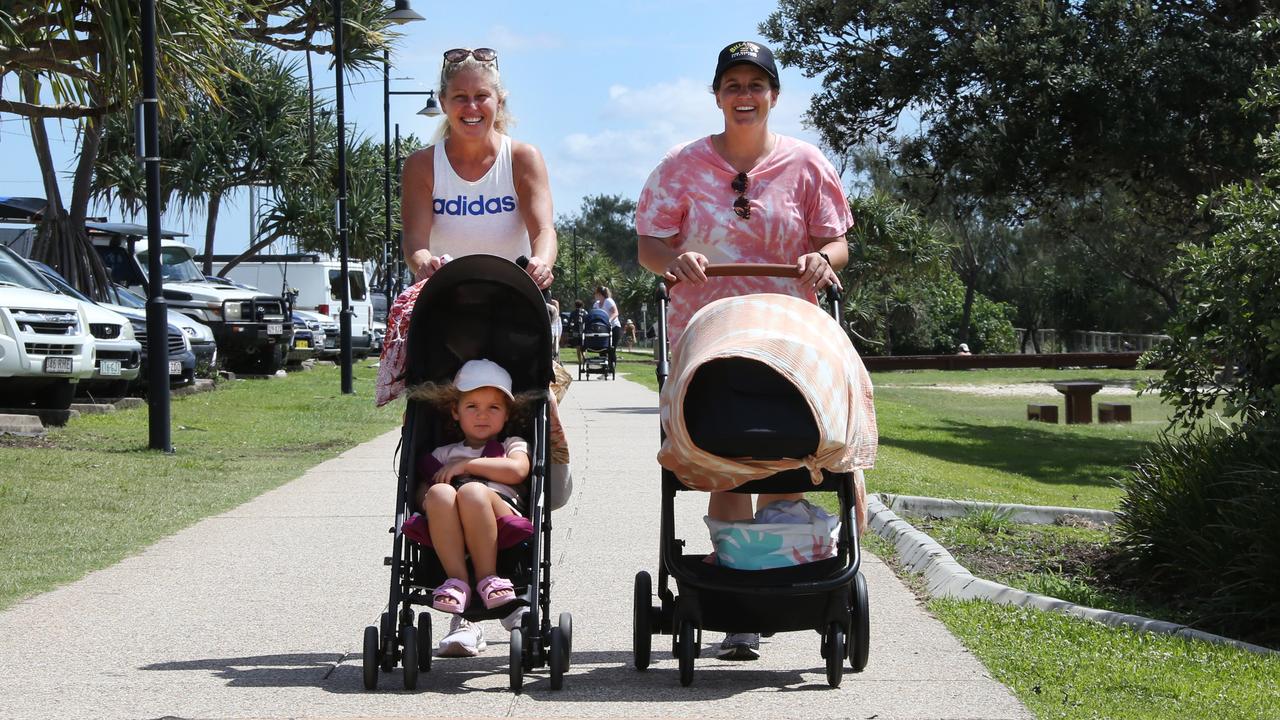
(965, 446)
(90, 494)
(958, 445)
(1064, 667)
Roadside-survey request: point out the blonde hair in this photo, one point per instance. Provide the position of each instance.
(502, 120)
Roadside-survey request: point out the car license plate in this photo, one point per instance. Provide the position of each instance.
(109, 367)
(302, 344)
(275, 329)
(175, 367)
(57, 365)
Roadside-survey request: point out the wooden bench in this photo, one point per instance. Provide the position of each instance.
(1114, 412)
(1043, 413)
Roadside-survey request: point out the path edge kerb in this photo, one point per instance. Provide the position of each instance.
(944, 577)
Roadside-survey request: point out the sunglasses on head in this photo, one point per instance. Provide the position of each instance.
(457, 55)
(741, 206)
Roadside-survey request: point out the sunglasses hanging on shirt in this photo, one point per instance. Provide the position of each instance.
(741, 206)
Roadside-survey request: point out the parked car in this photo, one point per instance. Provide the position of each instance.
(379, 334)
(313, 281)
(252, 330)
(182, 362)
(46, 346)
(308, 339)
(327, 325)
(199, 335)
(119, 357)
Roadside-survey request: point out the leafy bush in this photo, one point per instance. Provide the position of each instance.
(1200, 521)
(935, 325)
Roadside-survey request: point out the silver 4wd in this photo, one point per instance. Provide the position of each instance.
(253, 332)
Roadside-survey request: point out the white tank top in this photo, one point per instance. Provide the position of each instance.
(481, 217)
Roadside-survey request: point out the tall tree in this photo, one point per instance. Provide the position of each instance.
(79, 60)
(253, 132)
(609, 220)
(1043, 103)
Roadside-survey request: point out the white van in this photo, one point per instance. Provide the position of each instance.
(316, 280)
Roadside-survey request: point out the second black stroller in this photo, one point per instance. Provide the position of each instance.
(597, 347)
(737, 406)
(478, 306)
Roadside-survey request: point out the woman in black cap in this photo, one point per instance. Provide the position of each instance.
(743, 195)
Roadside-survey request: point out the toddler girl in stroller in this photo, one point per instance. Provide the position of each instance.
(476, 307)
(473, 493)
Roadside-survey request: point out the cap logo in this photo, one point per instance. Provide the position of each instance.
(738, 50)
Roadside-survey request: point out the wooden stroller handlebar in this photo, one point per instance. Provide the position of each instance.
(747, 269)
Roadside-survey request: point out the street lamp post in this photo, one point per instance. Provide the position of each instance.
(344, 321)
(157, 310)
(401, 15)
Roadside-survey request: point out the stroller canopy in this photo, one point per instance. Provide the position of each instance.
(480, 306)
(823, 418)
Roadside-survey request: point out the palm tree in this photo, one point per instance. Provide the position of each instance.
(80, 60)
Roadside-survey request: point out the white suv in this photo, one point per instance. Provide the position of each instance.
(45, 344)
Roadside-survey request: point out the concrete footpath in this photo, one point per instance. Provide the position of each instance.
(258, 613)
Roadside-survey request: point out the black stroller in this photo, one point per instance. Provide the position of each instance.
(478, 306)
(736, 407)
(597, 346)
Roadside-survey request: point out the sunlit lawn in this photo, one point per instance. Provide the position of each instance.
(91, 494)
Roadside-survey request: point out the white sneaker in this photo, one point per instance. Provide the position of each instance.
(512, 621)
(465, 639)
(740, 646)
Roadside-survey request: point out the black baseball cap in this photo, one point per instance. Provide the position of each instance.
(745, 52)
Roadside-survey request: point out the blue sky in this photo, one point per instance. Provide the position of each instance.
(603, 89)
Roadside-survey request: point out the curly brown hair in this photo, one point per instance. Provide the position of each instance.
(444, 397)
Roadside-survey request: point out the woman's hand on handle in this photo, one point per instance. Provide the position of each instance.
(540, 271)
(426, 268)
(816, 272)
(687, 267)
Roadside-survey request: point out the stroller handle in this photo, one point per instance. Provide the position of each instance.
(762, 270)
(747, 269)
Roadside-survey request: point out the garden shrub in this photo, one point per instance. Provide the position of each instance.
(1200, 524)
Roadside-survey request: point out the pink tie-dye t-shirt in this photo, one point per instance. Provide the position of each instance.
(795, 195)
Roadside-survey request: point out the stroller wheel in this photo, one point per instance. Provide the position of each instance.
(516, 660)
(834, 642)
(424, 641)
(409, 660)
(370, 659)
(685, 643)
(860, 641)
(641, 620)
(388, 642)
(559, 660)
(566, 629)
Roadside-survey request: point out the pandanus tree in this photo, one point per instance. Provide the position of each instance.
(80, 61)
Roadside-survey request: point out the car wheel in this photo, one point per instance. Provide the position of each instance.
(57, 396)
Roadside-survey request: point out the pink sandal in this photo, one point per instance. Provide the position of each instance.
(451, 596)
(495, 591)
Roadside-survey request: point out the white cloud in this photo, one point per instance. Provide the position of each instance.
(505, 38)
(636, 127)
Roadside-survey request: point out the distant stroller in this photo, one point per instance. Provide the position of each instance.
(478, 306)
(599, 356)
(735, 405)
